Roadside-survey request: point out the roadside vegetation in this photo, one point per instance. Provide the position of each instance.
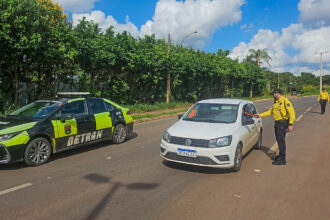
(43, 53)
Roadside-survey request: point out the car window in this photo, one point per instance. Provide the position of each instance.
(252, 109)
(77, 108)
(109, 107)
(212, 112)
(97, 106)
(36, 110)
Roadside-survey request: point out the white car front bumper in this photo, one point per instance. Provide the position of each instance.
(220, 157)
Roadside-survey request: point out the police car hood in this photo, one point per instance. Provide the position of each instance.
(201, 130)
(14, 124)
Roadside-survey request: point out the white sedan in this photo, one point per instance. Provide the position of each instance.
(213, 133)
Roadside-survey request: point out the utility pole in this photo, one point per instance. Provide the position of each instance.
(321, 62)
(168, 89)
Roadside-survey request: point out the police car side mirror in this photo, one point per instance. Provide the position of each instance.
(66, 117)
(247, 121)
(180, 116)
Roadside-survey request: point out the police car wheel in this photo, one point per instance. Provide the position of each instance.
(238, 158)
(119, 134)
(37, 152)
(258, 144)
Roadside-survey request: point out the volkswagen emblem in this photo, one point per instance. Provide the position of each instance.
(187, 142)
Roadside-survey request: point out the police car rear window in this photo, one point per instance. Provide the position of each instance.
(97, 106)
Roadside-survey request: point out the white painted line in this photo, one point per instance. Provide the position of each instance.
(15, 188)
(300, 117)
(309, 109)
(274, 147)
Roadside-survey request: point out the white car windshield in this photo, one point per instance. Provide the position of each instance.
(212, 113)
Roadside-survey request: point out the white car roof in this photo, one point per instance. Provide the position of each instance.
(224, 101)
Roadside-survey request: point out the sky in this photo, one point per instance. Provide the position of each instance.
(293, 31)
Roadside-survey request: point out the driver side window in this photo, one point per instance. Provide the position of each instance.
(247, 112)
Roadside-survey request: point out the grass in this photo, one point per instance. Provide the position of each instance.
(142, 108)
(137, 117)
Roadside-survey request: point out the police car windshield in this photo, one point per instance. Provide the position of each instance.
(212, 113)
(36, 110)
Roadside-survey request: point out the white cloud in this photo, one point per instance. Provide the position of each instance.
(247, 27)
(296, 37)
(315, 12)
(105, 22)
(179, 18)
(77, 6)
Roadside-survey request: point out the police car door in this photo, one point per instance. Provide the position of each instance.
(72, 125)
(101, 118)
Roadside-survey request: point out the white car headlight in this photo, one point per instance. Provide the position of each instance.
(6, 137)
(167, 137)
(220, 142)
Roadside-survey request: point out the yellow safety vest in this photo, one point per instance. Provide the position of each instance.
(324, 96)
(282, 109)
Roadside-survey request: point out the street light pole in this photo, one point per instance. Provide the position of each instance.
(321, 62)
(195, 32)
(168, 89)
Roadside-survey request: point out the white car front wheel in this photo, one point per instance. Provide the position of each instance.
(238, 158)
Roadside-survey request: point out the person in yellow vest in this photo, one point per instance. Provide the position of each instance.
(284, 117)
(323, 99)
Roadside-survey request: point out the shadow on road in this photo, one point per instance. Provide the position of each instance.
(100, 179)
(270, 153)
(316, 112)
(13, 166)
(195, 169)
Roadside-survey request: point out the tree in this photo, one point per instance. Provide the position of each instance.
(257, 56)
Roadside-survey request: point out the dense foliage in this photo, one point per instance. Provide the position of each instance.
(42, 53)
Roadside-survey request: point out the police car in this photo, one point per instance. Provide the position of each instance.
(213, 133)
(35, 131)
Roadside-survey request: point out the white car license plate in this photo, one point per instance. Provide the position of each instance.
(187, 153)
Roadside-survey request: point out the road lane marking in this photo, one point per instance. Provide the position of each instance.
(300, 117)
(309, 109)
(3, 192)
(273, 148)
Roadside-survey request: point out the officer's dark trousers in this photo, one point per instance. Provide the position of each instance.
(281, 127)
(323, 105)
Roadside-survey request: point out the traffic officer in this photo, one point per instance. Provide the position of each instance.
(323, 99)
(284, 117)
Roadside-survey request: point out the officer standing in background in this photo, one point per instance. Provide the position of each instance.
(284, 116)
(323, 99)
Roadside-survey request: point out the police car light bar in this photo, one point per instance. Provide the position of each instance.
(73, 93)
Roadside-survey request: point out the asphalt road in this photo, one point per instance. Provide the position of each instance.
(129, 181)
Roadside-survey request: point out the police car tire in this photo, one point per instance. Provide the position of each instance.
(238, 158)
(43, 148)
(119, 134)
(258, 144)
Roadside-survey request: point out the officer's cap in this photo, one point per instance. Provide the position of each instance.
(278, 91)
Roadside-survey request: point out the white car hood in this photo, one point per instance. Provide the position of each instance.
(201, 130)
